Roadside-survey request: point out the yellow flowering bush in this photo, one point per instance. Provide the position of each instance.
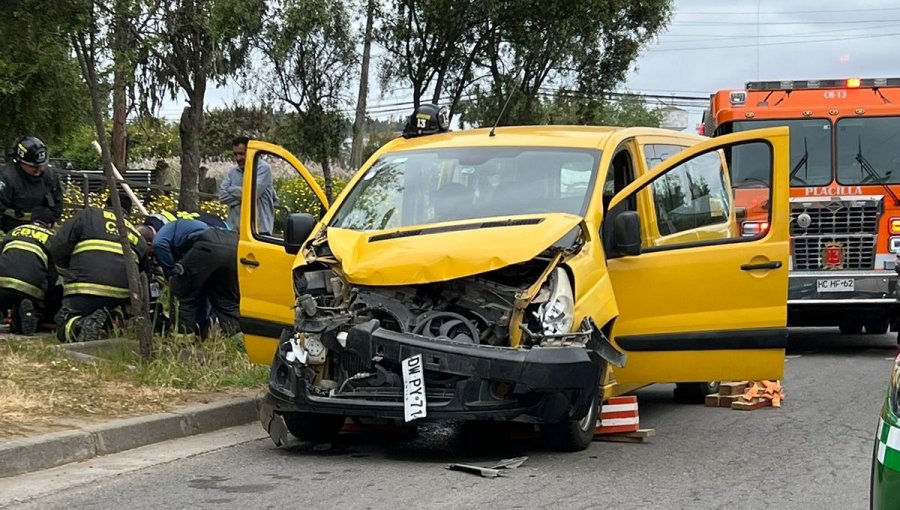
(157, 203)
(295, 196)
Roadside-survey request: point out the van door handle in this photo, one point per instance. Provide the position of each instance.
(249, 262)
(775, 264)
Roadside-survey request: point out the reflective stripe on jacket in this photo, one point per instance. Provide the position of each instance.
(25, 263)
(87, 247)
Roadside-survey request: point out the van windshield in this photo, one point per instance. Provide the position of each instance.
(809, 137)
(455, 184)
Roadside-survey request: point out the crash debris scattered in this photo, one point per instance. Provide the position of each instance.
(747, 395)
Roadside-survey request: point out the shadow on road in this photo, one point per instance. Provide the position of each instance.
(831, 341)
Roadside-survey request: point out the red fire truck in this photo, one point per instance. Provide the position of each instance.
(845, 182)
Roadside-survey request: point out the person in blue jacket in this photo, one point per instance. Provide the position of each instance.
(201, 264)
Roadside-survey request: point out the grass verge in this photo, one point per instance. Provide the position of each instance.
(43, 390)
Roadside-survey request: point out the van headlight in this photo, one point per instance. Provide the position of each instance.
(557, 314)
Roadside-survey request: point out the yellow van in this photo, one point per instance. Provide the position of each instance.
(522, 273)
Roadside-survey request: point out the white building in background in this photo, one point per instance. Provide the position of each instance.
(673, 118)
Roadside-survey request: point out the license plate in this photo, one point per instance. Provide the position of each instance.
(835, 285)
(413, 388)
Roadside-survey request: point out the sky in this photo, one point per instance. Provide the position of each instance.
(714, 44)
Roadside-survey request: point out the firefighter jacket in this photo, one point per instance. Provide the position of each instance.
(20, 193)
(90, 257)
(25, 262)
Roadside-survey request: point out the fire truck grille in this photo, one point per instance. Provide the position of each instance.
(858, 252)
(835, 217)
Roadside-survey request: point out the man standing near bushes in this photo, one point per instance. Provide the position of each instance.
(232, 187)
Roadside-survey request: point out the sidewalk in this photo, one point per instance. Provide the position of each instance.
(35, 453)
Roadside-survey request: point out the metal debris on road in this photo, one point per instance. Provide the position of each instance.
(491, 472)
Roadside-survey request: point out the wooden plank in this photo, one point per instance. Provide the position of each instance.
(712, 400)
(727, 400)
(637, 436)
(757, 403)
(732, 388)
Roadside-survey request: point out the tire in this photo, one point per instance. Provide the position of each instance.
(851, 328)
(573, 435)
(319, 428)
(694, 393)
(877, 327)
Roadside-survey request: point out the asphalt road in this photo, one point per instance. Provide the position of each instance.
(815, 452)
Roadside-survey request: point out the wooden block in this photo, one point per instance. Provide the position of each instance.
(637, 436)
(712, 400)
(756, 403)
(727, 400)
(732, 388)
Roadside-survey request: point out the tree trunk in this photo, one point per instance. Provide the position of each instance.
(120, 112)
(189, 128)
(121, 42)
(139, 302)
(356, 149)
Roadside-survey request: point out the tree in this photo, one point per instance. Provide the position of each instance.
(623, 110)
(309, 54)
(542, 46)
(89, 44)
(356, 149)
(432, 45)
(188, 43)
(221, 125)
(40, 82)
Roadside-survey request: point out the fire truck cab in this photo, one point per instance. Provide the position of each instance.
(844, 181)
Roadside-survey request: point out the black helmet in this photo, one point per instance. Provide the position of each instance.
(43, 215)
(29, 150)
(428, 119)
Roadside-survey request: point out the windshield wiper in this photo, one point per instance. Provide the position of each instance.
(802, 163)
(873, 174)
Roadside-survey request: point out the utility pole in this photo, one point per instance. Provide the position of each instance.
(356, 149)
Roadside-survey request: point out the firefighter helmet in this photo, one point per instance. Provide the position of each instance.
(29, 150)
(428, 119)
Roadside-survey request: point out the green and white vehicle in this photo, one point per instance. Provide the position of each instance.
(885, 485)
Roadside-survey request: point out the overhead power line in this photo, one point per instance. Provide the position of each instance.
(754, 45)
(806, 22)
(817, 11)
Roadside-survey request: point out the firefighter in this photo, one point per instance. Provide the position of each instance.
(202, 264)
(27, 271)
(26, 183)
(158, 220)
(88, 252)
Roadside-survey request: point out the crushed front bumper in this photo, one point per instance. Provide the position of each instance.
(463, 381)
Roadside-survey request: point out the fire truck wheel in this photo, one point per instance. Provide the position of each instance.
(851, 328)
(877, 327)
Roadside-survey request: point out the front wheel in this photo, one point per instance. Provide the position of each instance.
(319, 428)
(573, 435)
(694, 393)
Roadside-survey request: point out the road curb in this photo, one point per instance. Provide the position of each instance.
(49, 450)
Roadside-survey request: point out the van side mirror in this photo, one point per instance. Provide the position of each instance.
(627, 233)
(296, 232)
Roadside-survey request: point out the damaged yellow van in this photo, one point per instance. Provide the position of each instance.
(522, 273)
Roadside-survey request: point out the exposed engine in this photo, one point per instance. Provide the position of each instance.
(477, 310)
